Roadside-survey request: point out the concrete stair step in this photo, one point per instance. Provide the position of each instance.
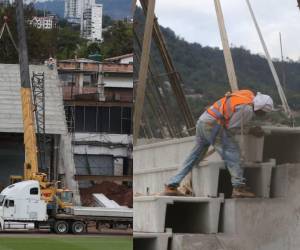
(151, 241)
(180, 214)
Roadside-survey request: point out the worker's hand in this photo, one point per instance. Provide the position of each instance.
(256, 131)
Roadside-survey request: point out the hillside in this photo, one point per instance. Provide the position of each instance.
(204, 73)
(116, 9)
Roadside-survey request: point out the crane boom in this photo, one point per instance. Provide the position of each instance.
(31, 159)
(49, 192)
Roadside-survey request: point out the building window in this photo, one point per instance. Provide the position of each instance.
(103, 117)
(126, 120)
(114, 120)
(79, 119)
(67, 79)
(90, 80)
(91, 119)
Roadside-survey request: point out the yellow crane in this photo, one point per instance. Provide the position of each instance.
(49, 190)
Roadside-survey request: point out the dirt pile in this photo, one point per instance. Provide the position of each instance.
(119, 193)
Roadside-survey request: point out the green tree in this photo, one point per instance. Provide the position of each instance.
(68, 43)
(117, 39)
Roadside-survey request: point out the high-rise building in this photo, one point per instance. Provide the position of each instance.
(91, 26)
(73, 10)
(4, 3)
(88, 14)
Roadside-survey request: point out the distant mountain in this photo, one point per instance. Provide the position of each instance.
(203, 70)
(116, 9)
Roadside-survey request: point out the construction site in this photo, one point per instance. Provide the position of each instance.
(66, 143)
(207, 217)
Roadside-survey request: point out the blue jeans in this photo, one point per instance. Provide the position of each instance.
(224, 143)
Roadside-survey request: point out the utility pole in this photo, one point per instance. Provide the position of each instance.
(143, 71)
(226, 49)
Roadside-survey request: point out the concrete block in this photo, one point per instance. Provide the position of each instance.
(162, 154)
(258, 178)
(246, 216)
(205, 179)
(279, 182)
(282, 143)
(151, 241)
(152, 181)
(252, 147)
(103, 201)
(195, 242)
(103, 212)
(180, 214)
(211, 178)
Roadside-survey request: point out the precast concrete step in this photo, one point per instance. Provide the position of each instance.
(155, 163)
(151, 241)
(180, 214)
(196, 242)
(251, 216)
(212, 178)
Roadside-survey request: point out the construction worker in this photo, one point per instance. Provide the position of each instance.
(216, 127)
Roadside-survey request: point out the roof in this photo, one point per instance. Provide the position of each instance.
(10, 100)
(116, 58)
(79, 60)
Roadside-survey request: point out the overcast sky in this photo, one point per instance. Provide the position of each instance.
(195, 21)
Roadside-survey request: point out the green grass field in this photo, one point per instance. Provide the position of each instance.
(73, 243)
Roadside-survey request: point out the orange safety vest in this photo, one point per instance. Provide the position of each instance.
(223, 109)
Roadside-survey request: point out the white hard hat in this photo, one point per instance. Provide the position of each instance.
(263, 102)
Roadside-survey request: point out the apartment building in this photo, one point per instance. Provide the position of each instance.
(98, 100)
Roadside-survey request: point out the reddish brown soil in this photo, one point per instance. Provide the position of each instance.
(119, 193)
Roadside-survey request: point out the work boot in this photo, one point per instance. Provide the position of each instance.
(242, 192)
(171, 191)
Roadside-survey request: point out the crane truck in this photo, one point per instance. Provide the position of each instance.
(33, 202)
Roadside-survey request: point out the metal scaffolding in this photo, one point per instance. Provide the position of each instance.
(38, 92)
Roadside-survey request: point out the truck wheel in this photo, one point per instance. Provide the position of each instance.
(78, 227)
(61, 227)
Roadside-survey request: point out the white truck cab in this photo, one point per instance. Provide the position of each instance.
(22, 202)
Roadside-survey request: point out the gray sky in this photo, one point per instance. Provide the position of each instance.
(195, 21)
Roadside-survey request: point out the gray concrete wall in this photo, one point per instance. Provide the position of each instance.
(10, 100)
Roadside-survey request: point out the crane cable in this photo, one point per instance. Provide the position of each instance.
(5, 25)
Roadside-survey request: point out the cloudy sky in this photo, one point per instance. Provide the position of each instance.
(195, 21)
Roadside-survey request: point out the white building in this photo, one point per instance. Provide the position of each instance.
(48, 22)
(91, 27)
(73, 10)
(4, 3)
